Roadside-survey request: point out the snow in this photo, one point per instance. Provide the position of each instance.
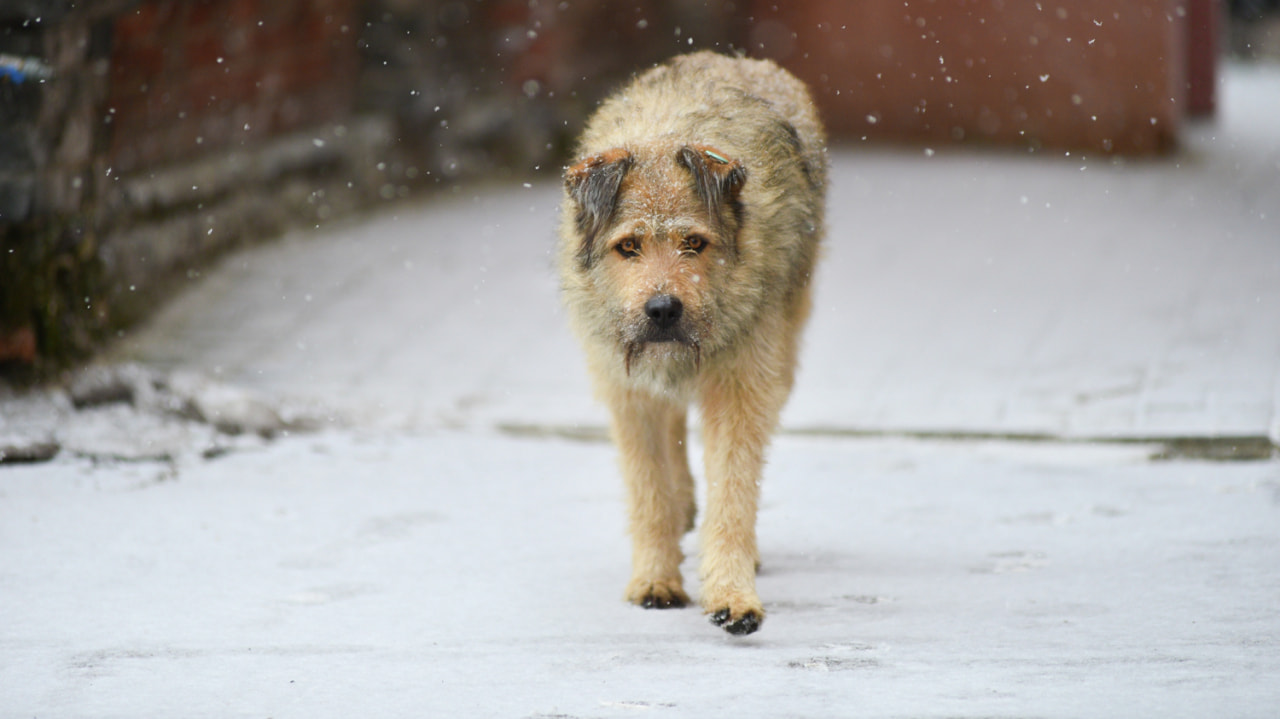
(459, 574)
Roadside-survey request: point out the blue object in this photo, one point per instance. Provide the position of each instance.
(19, 69)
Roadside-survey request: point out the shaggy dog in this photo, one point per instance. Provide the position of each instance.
(689, 232)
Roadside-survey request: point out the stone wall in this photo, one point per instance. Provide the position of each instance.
(165, 132)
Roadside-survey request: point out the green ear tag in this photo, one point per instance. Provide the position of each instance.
(716, 157)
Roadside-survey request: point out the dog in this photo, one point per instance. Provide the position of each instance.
(688, 237)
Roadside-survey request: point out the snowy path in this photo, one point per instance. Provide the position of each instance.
(468, 575)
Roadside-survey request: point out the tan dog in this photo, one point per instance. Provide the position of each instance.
(689, 232)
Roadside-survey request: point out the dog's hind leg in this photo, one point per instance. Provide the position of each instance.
(658, 498)
(678, 439)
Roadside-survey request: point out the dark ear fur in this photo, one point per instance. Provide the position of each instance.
(593, 183)
(718, 180)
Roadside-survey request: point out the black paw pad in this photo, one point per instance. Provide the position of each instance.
(651, 601)
(746, 624)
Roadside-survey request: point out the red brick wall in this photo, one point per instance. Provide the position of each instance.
(1203, 30)
(190, 77)
(1102, 75)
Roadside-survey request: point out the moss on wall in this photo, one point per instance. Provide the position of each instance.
(51, 295)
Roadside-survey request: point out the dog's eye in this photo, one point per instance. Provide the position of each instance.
(695, 243)
(629, 247)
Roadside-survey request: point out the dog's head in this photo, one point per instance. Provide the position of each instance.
(655, 230)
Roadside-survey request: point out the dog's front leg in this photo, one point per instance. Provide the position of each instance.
(738, 417)
(659, 497)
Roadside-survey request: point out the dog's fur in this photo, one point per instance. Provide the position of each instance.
(689, 232)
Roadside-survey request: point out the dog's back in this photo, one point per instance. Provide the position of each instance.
(730, 102)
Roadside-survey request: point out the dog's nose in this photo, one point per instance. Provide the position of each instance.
(663, 310)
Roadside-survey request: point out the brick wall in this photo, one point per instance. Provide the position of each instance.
(1106, 76)
(502, 86)
(166, 132)
(190, 78)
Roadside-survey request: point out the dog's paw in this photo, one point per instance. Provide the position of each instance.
(735, 612)
(742, 624)
(657, 595)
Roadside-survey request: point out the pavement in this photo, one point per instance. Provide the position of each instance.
(359, 471)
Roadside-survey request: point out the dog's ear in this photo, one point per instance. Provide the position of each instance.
(593, 183)
(717, 178)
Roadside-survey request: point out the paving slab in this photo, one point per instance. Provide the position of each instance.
(466, 574)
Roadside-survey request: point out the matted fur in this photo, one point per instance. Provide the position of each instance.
(689, 232)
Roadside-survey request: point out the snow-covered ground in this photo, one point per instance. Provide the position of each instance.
(420, 537)
(464, 574)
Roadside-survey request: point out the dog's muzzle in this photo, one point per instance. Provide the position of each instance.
(664, 313)
(663, 327)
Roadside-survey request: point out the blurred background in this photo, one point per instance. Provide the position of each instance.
(139, 139)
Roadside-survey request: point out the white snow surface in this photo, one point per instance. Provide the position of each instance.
(458, 574)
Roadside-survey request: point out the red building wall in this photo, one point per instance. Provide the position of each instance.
(1102, 75)
(188, 78)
